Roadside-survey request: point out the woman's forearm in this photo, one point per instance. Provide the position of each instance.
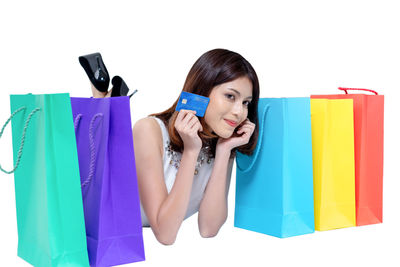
(173, 210)
(214, 208)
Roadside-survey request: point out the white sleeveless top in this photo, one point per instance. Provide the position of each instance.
(171, 160)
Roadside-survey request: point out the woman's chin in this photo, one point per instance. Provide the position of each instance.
(224, 134)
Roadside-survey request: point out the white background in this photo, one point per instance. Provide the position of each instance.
(298, 48)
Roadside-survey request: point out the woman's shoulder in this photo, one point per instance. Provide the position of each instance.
(148, 130)
(147, 122)
(152, 120)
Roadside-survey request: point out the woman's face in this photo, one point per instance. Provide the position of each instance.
(228, 106)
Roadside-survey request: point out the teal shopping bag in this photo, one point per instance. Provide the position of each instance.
(274, 186)
(51, 230)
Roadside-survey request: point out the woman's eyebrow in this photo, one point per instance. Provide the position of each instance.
(237, 92)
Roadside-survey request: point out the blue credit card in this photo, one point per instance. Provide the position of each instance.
(195, 102)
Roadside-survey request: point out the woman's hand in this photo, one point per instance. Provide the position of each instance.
(187, 125)
(239, 137)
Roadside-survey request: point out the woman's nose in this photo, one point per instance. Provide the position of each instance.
(237, 108)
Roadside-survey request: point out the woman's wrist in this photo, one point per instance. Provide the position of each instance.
(192, 152)
(221, 149)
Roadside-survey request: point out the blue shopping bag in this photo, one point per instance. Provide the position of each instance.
(274, 186)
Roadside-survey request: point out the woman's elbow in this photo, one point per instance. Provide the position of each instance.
(205, 233)
(210, 231)
(166, 239)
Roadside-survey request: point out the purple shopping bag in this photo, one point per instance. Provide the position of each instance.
(109, 182)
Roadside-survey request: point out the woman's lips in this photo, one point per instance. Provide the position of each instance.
(231, 123)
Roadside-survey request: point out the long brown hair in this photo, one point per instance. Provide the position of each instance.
(213, 68)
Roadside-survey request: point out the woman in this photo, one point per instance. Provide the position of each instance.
(184, 162)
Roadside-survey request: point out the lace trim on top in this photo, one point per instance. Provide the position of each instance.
(176, 157)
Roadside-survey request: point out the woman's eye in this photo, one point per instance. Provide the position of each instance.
(232, 97)
(229, 96)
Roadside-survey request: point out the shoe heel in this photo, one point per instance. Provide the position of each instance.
(119, 87)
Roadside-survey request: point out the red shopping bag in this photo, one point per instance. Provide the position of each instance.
(368, 150)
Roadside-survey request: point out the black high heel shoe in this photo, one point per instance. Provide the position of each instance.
(119, 87)
(96, 71)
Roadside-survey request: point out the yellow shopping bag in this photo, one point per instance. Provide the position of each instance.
(332, 130)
